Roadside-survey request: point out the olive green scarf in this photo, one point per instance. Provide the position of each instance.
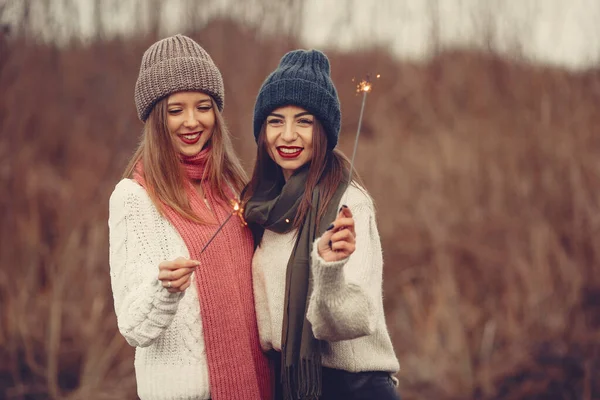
(274, 207)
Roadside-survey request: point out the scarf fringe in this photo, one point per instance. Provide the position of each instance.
(307, 380)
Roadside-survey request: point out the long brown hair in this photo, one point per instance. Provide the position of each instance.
(328, 169)
(163, 173)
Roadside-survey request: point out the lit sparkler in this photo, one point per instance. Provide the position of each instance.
(237, 210)
(365, 86)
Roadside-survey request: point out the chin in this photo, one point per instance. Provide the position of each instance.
(192, 151)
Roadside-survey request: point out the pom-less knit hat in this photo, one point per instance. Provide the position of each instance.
(175, 64)
(301, 79)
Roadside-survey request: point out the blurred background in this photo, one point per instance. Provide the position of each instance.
(479, 144)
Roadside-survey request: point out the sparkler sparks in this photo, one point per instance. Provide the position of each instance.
(364, 86)
(237, 210)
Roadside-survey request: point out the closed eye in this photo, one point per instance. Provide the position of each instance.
(275, 121)
(305, 122)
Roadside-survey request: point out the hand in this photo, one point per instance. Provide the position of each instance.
(175, 275)
(339, 240)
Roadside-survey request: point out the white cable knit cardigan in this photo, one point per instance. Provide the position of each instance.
(346, 306)
(165, 328)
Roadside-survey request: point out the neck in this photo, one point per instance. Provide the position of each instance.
(286, 174)
(194, 166)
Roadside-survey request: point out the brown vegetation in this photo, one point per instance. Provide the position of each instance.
(485, 173)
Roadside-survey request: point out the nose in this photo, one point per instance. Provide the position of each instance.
(289, 133)
(190, 121)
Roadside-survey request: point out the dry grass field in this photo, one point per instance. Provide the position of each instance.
(485, 172)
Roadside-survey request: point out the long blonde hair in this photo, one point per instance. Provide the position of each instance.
(162, 171)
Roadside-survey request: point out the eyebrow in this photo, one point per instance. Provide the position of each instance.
(178, 103)
(295, 116)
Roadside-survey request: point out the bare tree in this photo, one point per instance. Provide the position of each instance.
(435, 26)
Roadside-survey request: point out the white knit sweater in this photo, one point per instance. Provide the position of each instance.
(346, 306)
(165, 328)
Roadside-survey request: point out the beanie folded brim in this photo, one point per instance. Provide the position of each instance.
(176, 75)
(302, 93)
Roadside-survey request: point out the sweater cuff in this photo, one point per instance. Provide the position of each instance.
(162, 294)
(327, 274)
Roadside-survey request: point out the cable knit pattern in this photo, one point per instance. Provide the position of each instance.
(346, 306)
(167, 329)
(170, 360)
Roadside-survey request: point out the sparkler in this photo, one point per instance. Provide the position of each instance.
(365, 86)
(237, 210)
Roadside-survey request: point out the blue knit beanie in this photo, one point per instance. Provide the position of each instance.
(301, 79)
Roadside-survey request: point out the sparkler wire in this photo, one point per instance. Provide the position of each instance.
(362, 109)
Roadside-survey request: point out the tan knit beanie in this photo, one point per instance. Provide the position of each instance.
(175, 64)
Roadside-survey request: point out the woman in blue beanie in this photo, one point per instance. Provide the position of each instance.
(317, 269)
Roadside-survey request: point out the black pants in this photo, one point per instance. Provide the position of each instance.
(343, 385)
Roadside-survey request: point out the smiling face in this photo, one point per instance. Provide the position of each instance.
(190, 120)
(289, 136)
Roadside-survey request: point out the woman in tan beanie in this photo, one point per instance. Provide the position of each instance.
(187, 309)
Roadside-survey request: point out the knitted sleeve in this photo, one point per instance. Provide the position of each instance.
(144, 308)
(342, 304)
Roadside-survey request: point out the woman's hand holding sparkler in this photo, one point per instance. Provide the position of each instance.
(175, 275)
(339, 240)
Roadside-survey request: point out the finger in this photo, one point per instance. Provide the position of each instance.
(345, 212)
(343, 235)
(186, 284)
(344, 248)
(352, 229)
(179, 262)
(336, 256)
(171, 275)
(338, 224)
(347, 219)
(182, 262)
(175, 284)
(180, 288)
(181, 272)
(169, 286)
(326, 237)
(165, 265)
(343, 223)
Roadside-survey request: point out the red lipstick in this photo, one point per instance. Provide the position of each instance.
(187, 140)
(289, 151)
